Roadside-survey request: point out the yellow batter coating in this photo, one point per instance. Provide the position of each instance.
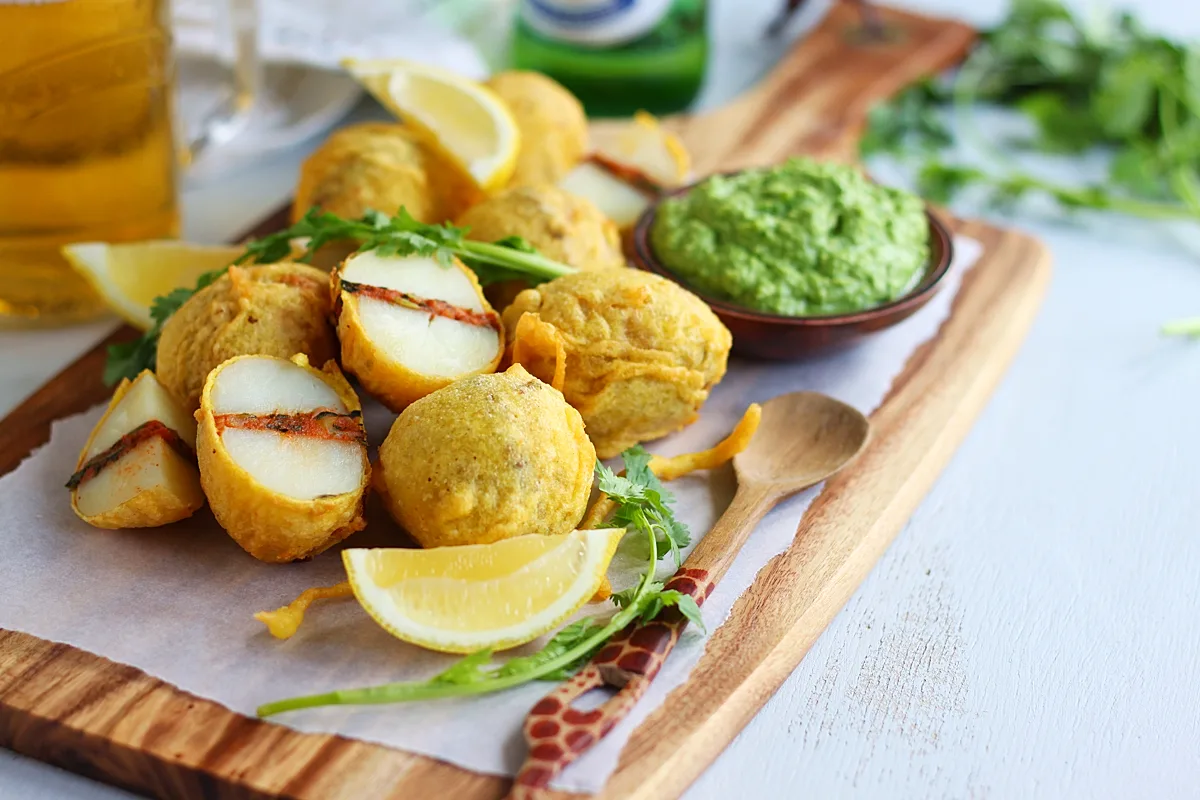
(642, 352)
(553, 126)
(381, 166)
(561, 226)
(271, 309)
(484, 459)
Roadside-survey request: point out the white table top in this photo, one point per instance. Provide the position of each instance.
(1032, 632)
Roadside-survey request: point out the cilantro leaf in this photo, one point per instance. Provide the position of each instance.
(649, 604)
(572, 638)
(1103, 84)
(685, 603)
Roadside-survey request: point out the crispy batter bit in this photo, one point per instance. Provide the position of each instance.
(144, 432)
(319, 424)
(284, 621)
(436, 308)
(299, 281)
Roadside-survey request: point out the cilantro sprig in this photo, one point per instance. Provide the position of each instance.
(643, 506)
(128, 359)
(508, 259)
(402, 235)
(1099, 84)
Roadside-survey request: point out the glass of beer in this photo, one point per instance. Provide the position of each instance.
(87, 144)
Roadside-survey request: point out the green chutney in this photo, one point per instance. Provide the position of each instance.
(802, 239)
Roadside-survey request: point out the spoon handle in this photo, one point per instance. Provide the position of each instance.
(556, 733)
(715, 552)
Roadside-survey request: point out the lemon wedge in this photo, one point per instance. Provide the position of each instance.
(130, 276)
(480, 596)
(465, 119)
(644, 146)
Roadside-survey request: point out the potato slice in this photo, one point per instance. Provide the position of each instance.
(622, 201)
(138, 468)
(409, 325)
(283, 455)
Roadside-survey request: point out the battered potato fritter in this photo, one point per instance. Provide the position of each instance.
(553, 126)
(484, 459)
(381, 166)
(642, 352)
(273, 309)
(561, 226)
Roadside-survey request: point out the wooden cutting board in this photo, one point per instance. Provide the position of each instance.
(119, 725)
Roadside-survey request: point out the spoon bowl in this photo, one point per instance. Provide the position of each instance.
(803, 438)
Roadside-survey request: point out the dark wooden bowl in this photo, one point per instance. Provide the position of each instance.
(770, 336)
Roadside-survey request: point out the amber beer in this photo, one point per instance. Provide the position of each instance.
(86, 147)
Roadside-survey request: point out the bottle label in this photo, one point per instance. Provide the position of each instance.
(594, 22)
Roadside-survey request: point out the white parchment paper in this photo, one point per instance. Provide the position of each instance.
(177, 602)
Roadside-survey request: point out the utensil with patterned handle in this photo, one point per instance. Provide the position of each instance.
(804, 438)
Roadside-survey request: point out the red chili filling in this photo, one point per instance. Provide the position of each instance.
(144, 432)
(627, 174)
(319, 424)
(435, 308)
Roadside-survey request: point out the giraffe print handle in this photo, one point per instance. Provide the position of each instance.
(557, 734)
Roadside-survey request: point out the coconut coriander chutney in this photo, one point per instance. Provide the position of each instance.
(804, 238)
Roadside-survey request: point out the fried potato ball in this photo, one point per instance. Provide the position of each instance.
(486, 458)
(562, 226)
(381, 166)
(642, 352)
(272, 309)
(553, 126)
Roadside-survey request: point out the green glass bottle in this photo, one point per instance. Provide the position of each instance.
(617, 56)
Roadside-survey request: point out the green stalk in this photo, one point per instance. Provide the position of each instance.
(1182, 178)
(425, 690)
(527, 263)
(1182, 327)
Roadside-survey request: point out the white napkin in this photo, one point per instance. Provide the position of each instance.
(321, 33)
(177, 602)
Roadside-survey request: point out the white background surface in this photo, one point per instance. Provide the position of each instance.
(1033, 631)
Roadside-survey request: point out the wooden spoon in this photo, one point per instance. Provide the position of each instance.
(804, 438)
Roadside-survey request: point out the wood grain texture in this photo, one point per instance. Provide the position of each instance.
(116, 724)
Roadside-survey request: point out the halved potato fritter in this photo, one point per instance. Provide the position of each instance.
(409, 325)
(283, 455)
(138, 468)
